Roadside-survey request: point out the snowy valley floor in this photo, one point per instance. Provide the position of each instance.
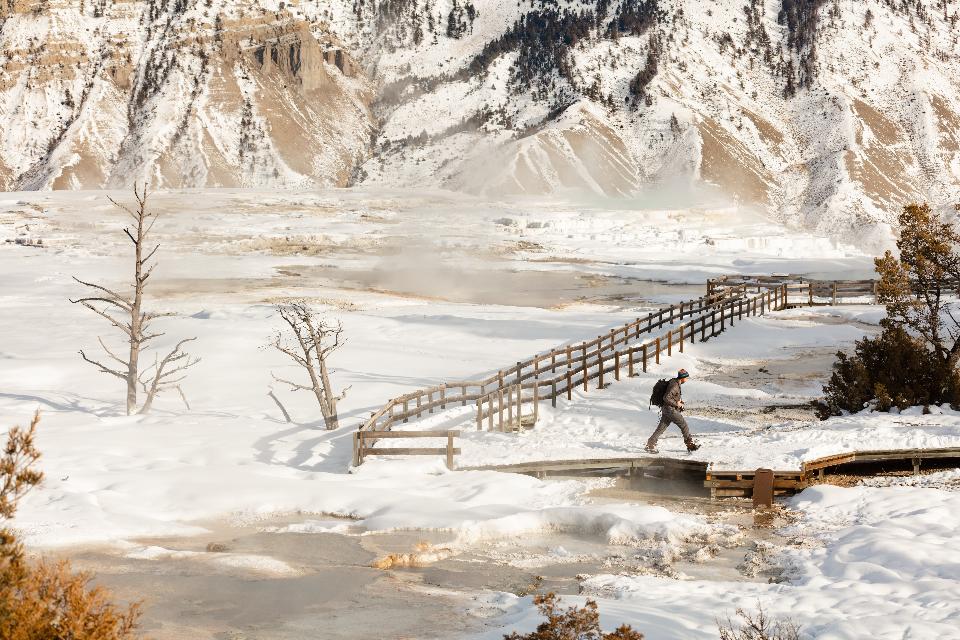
(139, 499)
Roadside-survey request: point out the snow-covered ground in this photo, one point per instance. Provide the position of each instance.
(867, 563)
(226, 256)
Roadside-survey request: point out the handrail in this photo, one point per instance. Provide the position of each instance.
(833, 289)
(492, 406)
(414, 403)
(571, 366)
(702, 315)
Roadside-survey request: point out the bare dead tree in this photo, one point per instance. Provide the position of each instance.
(310, 344)
(757, 626)
(125, 312)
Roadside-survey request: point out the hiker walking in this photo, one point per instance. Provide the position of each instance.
(668, 396)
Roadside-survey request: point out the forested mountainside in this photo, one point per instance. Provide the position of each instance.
(827, 113)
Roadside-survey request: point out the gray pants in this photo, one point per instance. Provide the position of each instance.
(668, 415)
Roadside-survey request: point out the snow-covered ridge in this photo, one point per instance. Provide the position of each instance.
(828, 115)
(825, 115)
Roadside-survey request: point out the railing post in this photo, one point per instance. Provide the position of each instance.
(418, 405)
(600, 367)
(536, 400)
(406, 409)
(616, 366)
(356, 448)
(630, 362)
(500, 409)
(670, 342)
(449, 450)
(658, 350)
(553, 393)
(681, 337)
(519, 406)
(644, 357)
(553, 362)
(569, 382)
(479, 414)
(834, 302)
(443, 396)
(585, 372)
(490, 412)
(510, 407)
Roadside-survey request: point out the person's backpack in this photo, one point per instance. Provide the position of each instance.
(659, 390)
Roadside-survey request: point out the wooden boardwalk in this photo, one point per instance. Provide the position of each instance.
(508, 400)
(733, 483)
(629, 466)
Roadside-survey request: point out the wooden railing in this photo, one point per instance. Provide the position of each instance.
(814, 292)
(362, 449)
(558, 372)
(502, 409)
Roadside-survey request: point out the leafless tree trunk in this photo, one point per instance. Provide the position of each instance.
(125, 312)
(314, 339)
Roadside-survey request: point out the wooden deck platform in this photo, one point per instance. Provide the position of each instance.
(543, 468)
(733, 483)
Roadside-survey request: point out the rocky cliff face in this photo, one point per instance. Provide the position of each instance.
(824, 113)
(221, 93)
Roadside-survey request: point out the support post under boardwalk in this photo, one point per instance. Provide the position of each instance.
(763, 488)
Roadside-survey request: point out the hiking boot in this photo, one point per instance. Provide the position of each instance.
(692, 446)
(651, 449)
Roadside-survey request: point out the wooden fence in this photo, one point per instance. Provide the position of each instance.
(813, 292)
(502, 409)
(501, 398)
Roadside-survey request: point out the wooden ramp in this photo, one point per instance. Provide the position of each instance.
(672, 467)
(737, 483)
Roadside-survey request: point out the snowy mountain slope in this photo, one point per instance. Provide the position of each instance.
(829, 114)
(220, 93)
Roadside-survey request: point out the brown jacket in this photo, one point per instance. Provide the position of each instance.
(672, 396)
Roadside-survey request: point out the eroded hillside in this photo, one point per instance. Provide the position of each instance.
(827, 114)
(219, 93)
